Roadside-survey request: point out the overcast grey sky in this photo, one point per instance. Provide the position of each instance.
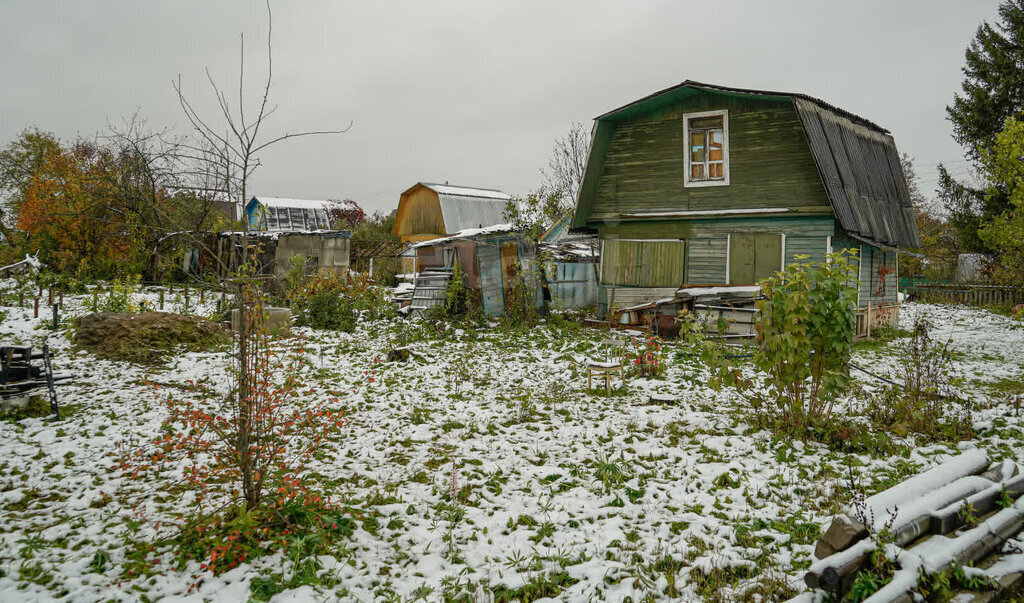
(471, 92)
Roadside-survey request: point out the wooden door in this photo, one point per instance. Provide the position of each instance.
(741, 258)
(509, 257)
(767, 255)
(753, 257)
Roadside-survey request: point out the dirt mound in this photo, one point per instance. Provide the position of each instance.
(146, 338)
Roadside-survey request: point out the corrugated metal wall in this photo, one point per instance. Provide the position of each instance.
(572, 284)
(489, 263)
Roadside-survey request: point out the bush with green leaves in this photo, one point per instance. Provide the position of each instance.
(521, 298)
(120, 296)
(328, 301)
(805, 330)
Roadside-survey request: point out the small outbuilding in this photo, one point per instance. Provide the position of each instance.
(279, 214)
(429, 211)
(570, 266)
(324, 249)
(492, 260)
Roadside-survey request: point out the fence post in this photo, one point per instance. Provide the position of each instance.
(868, 319)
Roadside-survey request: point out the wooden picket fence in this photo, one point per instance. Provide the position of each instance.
(970, 295)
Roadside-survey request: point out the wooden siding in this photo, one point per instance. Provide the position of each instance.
(770, 163)
(706, 261)
(869, 265)
(876, 287)
(419, 215)
(813, 247)
(643, 263)
(791, 226)
(624, 297)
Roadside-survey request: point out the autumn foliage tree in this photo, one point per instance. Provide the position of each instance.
(66, 214)
(345, 214)
(248, 486)
(96, 207)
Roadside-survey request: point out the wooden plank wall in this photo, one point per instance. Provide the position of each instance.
(706, 261)
(624, 297)
(643, 263)
(770, 163)
(814, 247)
(419, 213)
(874, 287)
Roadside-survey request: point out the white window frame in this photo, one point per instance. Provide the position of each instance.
(687, 182)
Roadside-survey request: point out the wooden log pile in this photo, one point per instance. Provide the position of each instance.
(955, 514)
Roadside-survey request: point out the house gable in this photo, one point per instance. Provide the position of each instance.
(790, 153)
(637, 162)
(419, 215)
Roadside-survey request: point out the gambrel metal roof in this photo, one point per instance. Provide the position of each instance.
(466, 207)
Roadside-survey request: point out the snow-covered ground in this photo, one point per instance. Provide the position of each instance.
(564, 493)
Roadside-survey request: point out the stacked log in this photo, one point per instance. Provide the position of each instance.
(921, 514)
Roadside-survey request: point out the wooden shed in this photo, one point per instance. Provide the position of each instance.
(570, 266)
(327, 250)
(491, 260)
(428, 211)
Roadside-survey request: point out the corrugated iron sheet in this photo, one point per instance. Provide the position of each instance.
(461, 212)
(572, 284)
(860, 169)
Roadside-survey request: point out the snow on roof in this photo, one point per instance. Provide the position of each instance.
(468, 233)
(286, 202)
(467, 191)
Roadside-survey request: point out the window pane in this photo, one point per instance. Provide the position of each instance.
(706, 122)
(697, 147)
(715, 145)
(715, 170)
(697, 171)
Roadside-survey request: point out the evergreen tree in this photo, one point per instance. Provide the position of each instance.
(993, 92)
(993, 87)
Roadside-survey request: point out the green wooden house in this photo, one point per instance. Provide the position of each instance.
(702, 186)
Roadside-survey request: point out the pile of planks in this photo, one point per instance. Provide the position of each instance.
(957, 514)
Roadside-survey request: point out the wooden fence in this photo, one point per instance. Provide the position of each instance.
(971, 295)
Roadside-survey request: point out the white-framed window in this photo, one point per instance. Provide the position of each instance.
(706, 156)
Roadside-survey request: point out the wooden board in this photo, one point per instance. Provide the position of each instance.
(643, 263)
(753, 257)
(509, 257)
